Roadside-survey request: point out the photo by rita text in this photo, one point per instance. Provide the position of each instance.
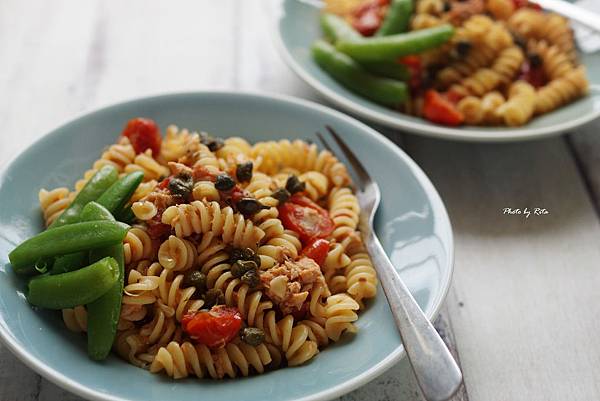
(526, 212)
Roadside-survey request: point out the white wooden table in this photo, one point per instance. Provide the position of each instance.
(523, 311)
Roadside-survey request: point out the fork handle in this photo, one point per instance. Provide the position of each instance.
(436, 371)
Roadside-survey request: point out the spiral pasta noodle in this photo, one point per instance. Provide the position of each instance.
(340, 311)
(151, 168)
(200, 218)
(177, 254)
(344, 211)
(118, 155)
(299, 155)
(520, 105)
(137, 245)
(54, 202)
(561, 91)
(179, 361)
(361, 278)
(75, 318)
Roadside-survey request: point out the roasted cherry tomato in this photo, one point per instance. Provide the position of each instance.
(369, 16)
(438, 109)
(305, 217)
(317, 250)
(213, 328)
(413, 63)
(143, 133)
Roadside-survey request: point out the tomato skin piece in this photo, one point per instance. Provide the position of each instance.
(309, 220)
(143, 133)
(440, 110)
(317, 250)
(214, 328)
(415, 67)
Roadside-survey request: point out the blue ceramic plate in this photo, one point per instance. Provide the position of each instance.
(411, 222)
(298, 27)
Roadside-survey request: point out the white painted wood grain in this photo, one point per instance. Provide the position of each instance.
(524, 304)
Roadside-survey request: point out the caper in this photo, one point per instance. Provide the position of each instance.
(535, 60)
(215, 144)
(236, 254)
(181, 185)
(249, 206)
(252, 336)
(463, 47)
(196, 279)
(224, 182)
(447, 6)
(281, 194)
(293, 185)
(243, 171)
(213, 297)
(251, 278)
(246, 254)
(241, 267)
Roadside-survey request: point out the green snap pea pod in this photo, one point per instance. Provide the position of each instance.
(394, 46)
(350, 74)
(70, 262)
(397, 18)
(387, 69)
(94, 211)
(119, 193)
(336, 28)
(125, 215)
(64, 240)
(70, 289)
(92, 190)
(103, 313)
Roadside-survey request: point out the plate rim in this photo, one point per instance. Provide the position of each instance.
(418, 128)
(57, 377)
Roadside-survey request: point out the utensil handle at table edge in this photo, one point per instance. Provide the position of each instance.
(437, 372)
(585, 17)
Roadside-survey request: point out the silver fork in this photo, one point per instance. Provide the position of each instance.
(436, 371)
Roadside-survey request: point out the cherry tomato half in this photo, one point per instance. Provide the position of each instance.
(438, 109)
(317, 250)
(213, 328)
(143, 133)
(305, 217)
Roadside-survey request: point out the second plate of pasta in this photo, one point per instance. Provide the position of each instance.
(492, 83)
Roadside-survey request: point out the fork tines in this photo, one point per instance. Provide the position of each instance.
(356, 166)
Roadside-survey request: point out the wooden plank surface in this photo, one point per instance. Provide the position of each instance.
(523, 304)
